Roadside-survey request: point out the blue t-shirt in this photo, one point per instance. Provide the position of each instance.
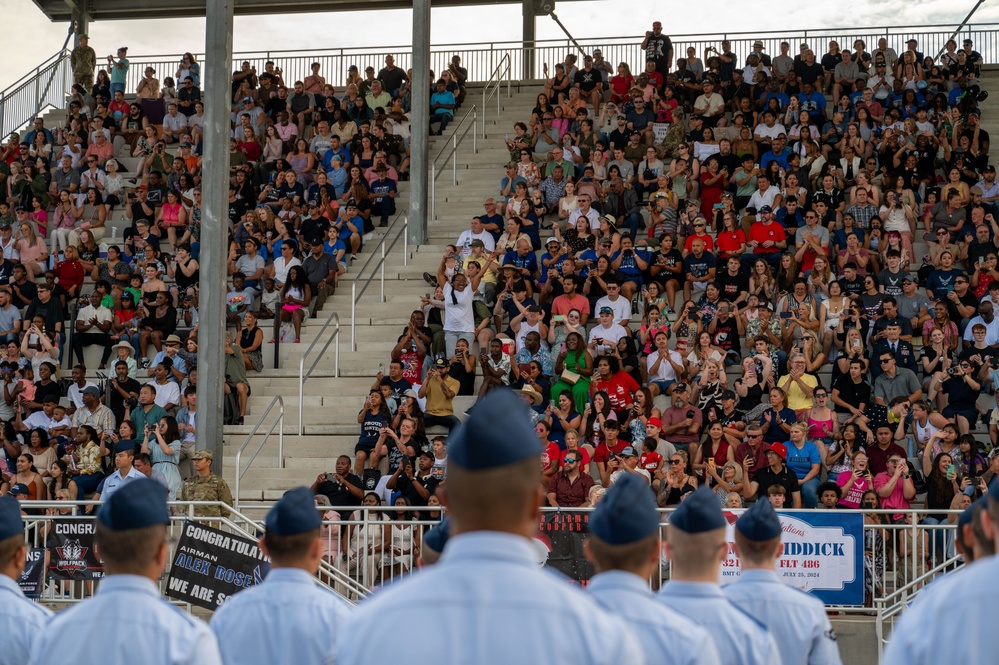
(529, 260)
(557, 266)
(774, 433)
(698, 267)
(801, 461)
(941, 282)
(629, 267)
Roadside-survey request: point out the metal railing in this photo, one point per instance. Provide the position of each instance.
(899, 569)
(279, 423)
(23, 100)
(503, 70)
(67, 592)
(304, 375)
(395, 230)
(46, 86)
(457, 138)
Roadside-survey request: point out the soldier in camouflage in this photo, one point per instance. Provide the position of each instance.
(206, 486)
(83, 60)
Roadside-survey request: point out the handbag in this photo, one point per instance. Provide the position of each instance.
(570, 377)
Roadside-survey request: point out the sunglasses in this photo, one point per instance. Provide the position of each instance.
(570, 460)
(822, 395)
(885, 361)
(676, 461)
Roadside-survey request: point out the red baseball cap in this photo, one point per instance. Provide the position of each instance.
(655, 421)
(657, 24)
(780, 449)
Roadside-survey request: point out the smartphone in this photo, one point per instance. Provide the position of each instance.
(718, 206)
(785, 315)
(558, 318)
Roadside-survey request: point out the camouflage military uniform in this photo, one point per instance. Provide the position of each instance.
(83, 60)
(207, 488)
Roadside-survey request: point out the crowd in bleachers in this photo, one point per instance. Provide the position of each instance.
(100, 232)
(775, 275)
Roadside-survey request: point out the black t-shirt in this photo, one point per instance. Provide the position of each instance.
(852, 287)
(731, 287)
(809, 73)
(117, 403)
(726, 335)
(408, 489)
(398, 387)
(588, 80)
(785, 478)
(657, 49)
(237, 209)
(139, 213)
(392, 79)
(42, 391)
(852, 393)
(337, 492)
(967, 300)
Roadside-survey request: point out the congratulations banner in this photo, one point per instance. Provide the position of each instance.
(71, 551)
(823, 554)
(210, 565)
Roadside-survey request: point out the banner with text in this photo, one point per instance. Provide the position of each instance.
(33, 573)
(71, 551)
(210, 565)
(823, 554)
(560, 544)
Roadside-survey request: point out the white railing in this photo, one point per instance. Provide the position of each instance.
(304, 375)
(438, 164)
(279, 423)
(901, 573)
(504, 70)
(398, 228)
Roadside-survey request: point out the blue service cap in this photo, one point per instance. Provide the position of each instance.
(699, 512)
(969, 512)
(626, 514)
(497, 433)
(19, 489)
(437, 537)
(760, 523)
(135, 505)
(124, 446)
(295, 513)
(11, 523)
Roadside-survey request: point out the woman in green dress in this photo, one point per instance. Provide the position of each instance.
(574, 360)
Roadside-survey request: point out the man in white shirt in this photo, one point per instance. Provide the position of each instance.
(604, 336)
(459, 317)
(475, 232)
(881, 82)
(584, 210)
(764, 194)
(710, 106)
(665, 366)
(93, 325)
(174, 124)
(619, 305)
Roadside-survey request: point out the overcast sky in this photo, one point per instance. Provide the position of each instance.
(30, 38)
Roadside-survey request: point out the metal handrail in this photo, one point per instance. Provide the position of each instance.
(304, 375)
(503, 68)
(253, 430)
(452, 154)
(380, 266)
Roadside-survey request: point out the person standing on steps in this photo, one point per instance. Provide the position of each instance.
(83, 61)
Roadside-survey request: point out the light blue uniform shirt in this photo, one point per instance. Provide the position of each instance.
(490, 603)
(666, 636)
(130, 623)
(286, 619)
(740, 639)
(20, 622)
(962, 630)
(113, 483)
(797, 621)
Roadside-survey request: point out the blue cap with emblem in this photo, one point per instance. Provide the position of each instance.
(699, 512)
(19, 489)
(11, 523)
(437, 537)
(295, 513)
(135, 505)
(760, 523)
(627, 513)
(124, 446)
(480, 445)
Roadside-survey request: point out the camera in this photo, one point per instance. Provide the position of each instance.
(951, 371)
(130, 402)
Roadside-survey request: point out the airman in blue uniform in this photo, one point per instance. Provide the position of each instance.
(696, 547)
(288, 618)
(20, 619)
(797, 621)
(624, 547)
(490, 601)
(962, 629)
(127, 621)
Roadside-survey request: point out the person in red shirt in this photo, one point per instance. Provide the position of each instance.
(731, 239)
(572, 446)
(700, 232)
(767, 239)
(618, 385)
(650, 460)
(70, 272)
(552, 455)
(608, 446)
